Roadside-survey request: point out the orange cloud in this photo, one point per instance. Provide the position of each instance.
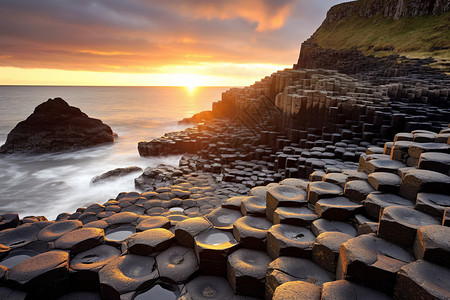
(269, 15)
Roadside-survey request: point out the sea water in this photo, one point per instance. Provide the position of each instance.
(49, 184)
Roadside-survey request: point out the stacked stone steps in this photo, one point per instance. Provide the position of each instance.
(337, 233)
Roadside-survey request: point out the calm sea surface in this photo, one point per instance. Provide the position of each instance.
(53, 183)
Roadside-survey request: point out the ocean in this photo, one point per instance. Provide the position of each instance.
(49, 184)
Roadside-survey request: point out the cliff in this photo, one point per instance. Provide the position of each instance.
(366, 30)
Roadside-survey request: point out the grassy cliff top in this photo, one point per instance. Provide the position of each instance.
(412, 36)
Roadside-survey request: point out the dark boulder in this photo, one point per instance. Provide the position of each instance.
(115, 173)
(56, 126)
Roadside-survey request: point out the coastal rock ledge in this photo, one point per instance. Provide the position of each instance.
(56, 126)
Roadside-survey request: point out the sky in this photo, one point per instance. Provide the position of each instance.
(152, 42)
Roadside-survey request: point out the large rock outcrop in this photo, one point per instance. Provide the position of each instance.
(56, 126)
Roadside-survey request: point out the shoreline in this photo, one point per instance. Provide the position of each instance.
(238, 198)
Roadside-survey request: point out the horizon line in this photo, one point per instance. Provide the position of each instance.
(63, 85)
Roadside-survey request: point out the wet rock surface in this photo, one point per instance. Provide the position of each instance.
(305, 177)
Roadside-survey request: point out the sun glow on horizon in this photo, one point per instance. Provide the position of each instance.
(184, 76)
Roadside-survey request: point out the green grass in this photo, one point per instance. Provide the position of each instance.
(414, 37)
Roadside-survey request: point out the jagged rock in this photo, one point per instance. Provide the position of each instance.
(246, 271)
(297, 290)
(432, 244)
(177, 264)
(371, 261)
(399, 224)
(422, 280)
(56, 126)
(115, 173)
(325, 250)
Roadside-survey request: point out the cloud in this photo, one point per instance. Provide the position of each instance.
(137, 36)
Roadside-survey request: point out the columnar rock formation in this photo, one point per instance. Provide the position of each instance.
(377, 232)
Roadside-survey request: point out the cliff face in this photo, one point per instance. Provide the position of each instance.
(389, 8)
(356, 34)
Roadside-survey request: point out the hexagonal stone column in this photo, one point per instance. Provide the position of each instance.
(127, 273)
(80, 240)
(85, 266)
(371, 261)
(19, 236)
(286, 268)
(186, 230)
(357, 190)
(416, 181)
(246, 271)
(40, 274)
(284, 196)
(320, 190)
(434, 161)
(432, 204)
(376, 202)
(212, 248)
(383, 165)
(297, 216)
(58, 229)
(289, 240)
(422, 280)
(177, 264)
(253, 206)
(399, 224)
(325, 250)
(322, 225)
(153, 222)
(251, 232)
(384, 182)
(432, 243)
(343, 289)
(223, 218)
(297, 290)
(150, 241)
(208, 287)
(337, 208)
